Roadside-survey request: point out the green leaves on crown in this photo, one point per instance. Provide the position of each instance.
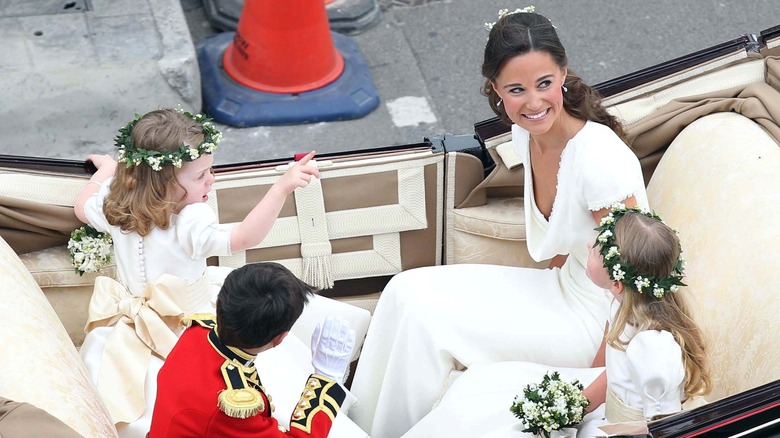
(133, 156)
(624, 272)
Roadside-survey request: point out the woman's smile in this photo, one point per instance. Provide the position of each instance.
(537, 116)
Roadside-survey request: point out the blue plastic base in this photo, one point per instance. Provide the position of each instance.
(351, 96)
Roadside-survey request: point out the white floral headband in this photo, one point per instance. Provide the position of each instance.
(133, 156)
(619, 270)
(504, 12)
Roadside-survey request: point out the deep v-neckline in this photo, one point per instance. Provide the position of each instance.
(548, 219)
(557, 183)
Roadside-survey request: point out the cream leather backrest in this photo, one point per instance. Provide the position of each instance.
(39, 363)
(365, 217)
(718, 185)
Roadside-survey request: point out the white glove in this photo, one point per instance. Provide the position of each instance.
(331, 348)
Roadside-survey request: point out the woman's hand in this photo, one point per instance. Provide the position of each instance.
(558, 261)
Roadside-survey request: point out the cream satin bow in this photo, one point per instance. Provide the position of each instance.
(143, 324)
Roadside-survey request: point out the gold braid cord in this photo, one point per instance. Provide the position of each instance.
(239, 399)
(320, 395)
(208, 320)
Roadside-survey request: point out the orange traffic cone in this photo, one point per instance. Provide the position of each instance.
(283, 49)
(349, 17)
(283, 66)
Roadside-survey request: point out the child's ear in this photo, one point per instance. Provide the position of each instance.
(617, 289)
(279, 338)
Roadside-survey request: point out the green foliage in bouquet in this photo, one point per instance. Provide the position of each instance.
(550, 405)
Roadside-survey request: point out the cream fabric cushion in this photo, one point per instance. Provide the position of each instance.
(39, 363)
(718, 185)
(68, 292)
(493, 233)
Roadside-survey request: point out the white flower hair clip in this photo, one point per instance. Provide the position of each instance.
(504, 12)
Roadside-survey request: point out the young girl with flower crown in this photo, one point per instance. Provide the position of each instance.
(153, 204)
(653, 351)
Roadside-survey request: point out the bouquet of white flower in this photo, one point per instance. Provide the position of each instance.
(90, 250)
(550, 405)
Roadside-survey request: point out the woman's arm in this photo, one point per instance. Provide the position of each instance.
(253, 229)
(598, 214)
(560, 259)
(106, 166)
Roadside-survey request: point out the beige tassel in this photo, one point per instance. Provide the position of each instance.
(317, 268)
(317, 271)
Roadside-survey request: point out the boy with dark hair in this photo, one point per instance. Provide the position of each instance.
(209, 387)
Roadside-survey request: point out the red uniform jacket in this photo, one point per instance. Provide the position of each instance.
(205, 390)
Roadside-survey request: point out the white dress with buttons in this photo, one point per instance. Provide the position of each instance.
(182, 250)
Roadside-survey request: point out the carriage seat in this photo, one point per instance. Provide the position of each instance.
(717, 185)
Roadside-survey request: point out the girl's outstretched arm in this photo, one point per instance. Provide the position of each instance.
(106, 166)
(253, 229)
(596, 392)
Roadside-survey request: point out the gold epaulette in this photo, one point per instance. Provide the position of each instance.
(208, 320)
(239, 399)
(321, 394)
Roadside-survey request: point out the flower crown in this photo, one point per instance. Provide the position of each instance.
(619, 270)
(504, 12)
(133, 156)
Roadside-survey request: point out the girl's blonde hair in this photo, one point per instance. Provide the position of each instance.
(653, 248)
(139, 198)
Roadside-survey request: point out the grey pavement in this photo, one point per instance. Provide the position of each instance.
(69, 79)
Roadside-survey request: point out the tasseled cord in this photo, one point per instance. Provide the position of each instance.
(317, 267)
(240, 403)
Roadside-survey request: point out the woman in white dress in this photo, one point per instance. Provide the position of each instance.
(163, 232)
(653, 350)
(432, 321)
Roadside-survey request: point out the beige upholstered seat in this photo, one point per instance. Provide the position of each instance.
(67, 291)
(39, 363)
(718, 185)
(493, 233)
